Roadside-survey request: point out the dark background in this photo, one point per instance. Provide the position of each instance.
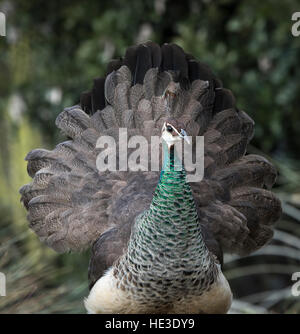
(52, 52)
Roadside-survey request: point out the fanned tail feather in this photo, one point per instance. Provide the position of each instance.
(70, 203)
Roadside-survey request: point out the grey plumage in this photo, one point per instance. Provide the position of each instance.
(72, 206)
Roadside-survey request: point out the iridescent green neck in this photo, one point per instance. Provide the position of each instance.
(171, 161)
(171, 224)
(166, 251)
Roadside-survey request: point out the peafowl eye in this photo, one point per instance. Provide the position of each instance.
(157, 240)
(169, 129)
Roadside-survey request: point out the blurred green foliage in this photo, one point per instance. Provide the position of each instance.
(65, 44)
(52, 52)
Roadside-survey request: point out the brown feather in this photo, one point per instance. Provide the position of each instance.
(72, 205)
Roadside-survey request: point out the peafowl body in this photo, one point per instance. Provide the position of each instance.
(157, 240)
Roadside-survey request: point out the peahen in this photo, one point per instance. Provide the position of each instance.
(157, 240)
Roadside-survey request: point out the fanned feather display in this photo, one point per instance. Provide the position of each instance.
(73, 206)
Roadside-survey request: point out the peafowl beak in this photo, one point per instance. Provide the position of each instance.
(172, 134)
(184, 136)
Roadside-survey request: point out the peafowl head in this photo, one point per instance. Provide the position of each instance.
(173, 131)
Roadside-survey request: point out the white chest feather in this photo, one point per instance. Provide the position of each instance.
(105, 297)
